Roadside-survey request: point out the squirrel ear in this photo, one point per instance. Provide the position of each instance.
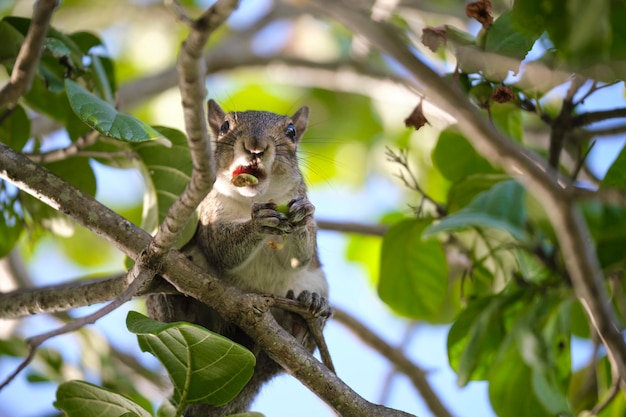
(300, 120)
(216, 117)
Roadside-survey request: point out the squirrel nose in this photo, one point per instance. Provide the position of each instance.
(255, 147)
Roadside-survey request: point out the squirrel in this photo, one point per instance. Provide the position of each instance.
(246, 239)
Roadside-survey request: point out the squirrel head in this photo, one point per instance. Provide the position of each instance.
(262, 145)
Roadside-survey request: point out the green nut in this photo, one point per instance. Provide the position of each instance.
(283, 208)
(243, 180)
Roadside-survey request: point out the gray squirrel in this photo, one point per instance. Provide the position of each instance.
(256, 231)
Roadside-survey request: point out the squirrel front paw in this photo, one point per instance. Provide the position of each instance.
(269, 219)
(316, 304)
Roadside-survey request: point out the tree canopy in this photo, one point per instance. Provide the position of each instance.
(467, 159)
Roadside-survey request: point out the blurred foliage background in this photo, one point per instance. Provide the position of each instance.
(467, 251)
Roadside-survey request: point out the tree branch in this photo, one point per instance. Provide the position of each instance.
(191, 82)
(250, 312)
(351, 227)
(588, 118)
(397, 358)
(28, 57)
(555, 192)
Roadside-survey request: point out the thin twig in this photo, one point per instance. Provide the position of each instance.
(397, 358)
(402, 158)
(584, 119)
(139, 274)
(60, 154)
(352, 227)
(28, 57)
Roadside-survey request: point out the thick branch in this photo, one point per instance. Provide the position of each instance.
(250, 312)
(26, 62)
(397, 358)
(554, 192)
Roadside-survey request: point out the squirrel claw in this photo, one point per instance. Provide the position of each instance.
(316, 304)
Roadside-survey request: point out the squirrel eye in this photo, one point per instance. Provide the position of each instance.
(224, 128)
(290, 131)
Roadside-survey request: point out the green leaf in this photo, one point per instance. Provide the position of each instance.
(616, 174)
(510, 385)
(413, 271)
(607, 225)
(504, 39)
(455, 158)
(476, 336)
(15, 129)
(82, 399)
(76, 171)
(105, 119)
(542, 334)
(463, 191)
(508, 118)
(203, 366)
(167, 171)
(13, 346)
(11, 220)
(6, 6)
(11, 43)
(500, 208)
(365, 250)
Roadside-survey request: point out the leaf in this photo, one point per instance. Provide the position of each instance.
(11, 42)
(504, 39)
(105, 119)
(455, 158)
(616, 174)
(501, 207)
(203, 366)
(167, 171)
(15, 129)
(476, 336)
(365, 250)
(542, 334)
(607, 225)
(11, 219)
(463, 191)
(413, 271)
(509, 387)
(82, 399)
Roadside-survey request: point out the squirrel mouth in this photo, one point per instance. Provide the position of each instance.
(250, 170)
(246, 176)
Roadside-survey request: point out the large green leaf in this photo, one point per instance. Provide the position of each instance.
(413, 271)
(455, 157)
(203, 366)
(167, 170)
(82, 399)
(501, 207)
(103, 117)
